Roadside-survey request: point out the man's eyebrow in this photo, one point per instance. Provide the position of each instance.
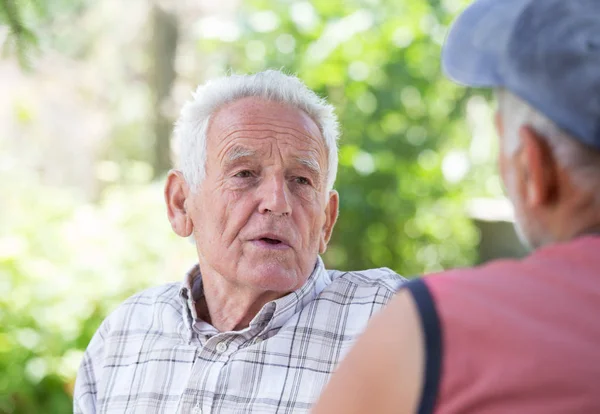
(236, 153)
(311, 164)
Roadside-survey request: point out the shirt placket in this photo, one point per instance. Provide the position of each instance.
(204, 380)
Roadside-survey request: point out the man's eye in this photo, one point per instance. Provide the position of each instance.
(243, 174)
(302, 180)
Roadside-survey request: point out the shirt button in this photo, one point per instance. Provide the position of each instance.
(197, 409)
(257, 340)
(221, 347)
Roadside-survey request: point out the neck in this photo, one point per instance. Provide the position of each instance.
(228, 307)
(578, 217)
(587, 230)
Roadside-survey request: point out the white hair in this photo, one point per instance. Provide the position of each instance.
(582, 162)
(272, 85)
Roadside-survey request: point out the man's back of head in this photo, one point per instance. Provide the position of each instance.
(542, 58)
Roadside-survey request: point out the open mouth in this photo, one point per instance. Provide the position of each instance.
(271, 241)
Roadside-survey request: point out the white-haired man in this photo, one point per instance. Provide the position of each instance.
(511, 336)
(258, 325)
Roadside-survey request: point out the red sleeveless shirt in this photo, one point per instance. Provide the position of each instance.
(514, 336)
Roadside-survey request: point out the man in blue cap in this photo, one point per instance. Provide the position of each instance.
(510, 336)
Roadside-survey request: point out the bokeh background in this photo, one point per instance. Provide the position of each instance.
(88, 94)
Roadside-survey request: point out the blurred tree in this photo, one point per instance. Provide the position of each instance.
(25, 20)
(21, 38)
(163, 49)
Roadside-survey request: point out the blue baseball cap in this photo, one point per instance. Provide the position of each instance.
(547, 52)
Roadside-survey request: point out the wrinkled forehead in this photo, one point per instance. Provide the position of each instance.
(254, 125)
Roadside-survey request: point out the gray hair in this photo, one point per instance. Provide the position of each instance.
(192, 126)
(582, 162)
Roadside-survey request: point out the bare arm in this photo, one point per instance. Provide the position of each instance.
(383, 373)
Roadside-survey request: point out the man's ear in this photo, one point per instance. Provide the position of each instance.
(539, 167)
(176, 194)
(331, 215)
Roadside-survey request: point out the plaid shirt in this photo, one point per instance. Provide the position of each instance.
(153, 354)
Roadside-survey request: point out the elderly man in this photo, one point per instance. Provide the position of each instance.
(511, 336)
(258, 325)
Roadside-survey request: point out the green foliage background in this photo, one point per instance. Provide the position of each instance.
(66, 261)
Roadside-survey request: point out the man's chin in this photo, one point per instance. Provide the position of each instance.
(274, 277)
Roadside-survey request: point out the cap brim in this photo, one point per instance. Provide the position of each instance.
(474, 51)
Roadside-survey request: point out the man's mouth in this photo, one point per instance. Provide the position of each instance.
(271, 241)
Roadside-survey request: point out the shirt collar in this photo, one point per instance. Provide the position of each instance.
(285, 307)
(273, 315)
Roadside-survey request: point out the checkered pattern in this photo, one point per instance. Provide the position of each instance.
(152, 355)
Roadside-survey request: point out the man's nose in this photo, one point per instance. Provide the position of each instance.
(275, 197)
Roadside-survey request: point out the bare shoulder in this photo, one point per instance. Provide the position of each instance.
(383, 372)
